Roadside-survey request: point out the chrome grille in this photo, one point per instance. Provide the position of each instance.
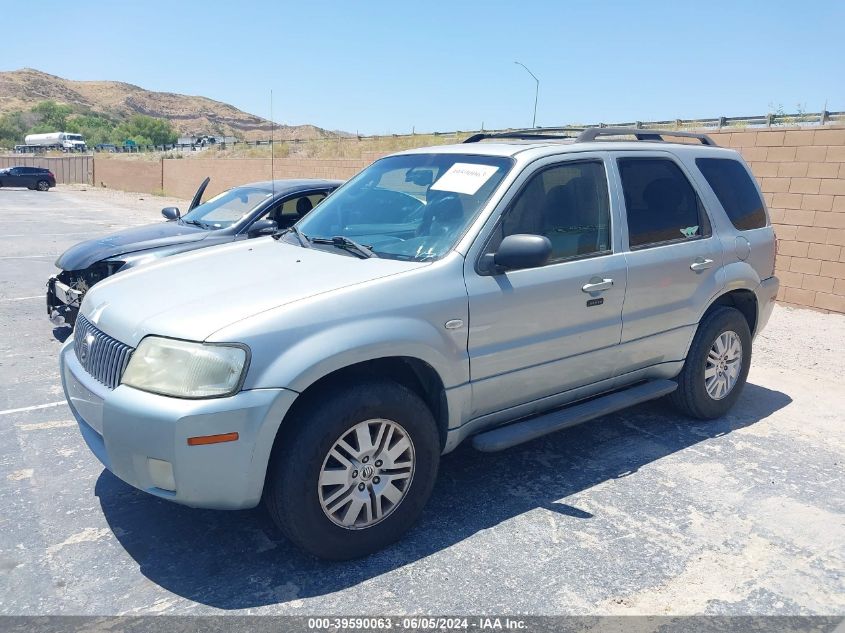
(100, 355)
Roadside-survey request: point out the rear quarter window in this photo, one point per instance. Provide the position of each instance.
(735, 190)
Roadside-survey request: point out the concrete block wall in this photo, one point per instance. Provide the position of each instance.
(182, 177)
(128, 175)
(802, 175)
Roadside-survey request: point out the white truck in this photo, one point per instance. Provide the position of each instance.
(63, 141)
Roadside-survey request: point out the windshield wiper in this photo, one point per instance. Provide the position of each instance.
(349, 245)
(194, 222)
(304, 240)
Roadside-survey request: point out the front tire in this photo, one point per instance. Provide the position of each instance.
(353, 469)
(716, 367)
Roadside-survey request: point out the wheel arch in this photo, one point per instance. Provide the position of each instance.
(742, 299)
(409, 371)
(415, 374)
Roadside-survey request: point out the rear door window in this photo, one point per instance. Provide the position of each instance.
(660, 202)
(736, 192)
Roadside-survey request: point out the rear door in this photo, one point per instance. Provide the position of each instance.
(542, 331)
(30, 176)
(674, 259)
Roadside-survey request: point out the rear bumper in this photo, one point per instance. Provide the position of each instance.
(62, 302)
(767, 293)
(142, 438)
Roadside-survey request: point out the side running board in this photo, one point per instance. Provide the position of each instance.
(503, 437)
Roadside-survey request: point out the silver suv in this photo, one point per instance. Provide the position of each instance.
(500, 289)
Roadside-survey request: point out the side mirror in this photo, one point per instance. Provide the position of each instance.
(519, 251)
(171, 213)
(263, 227)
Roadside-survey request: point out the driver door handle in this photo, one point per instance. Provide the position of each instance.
(701, 264)
(597, 284)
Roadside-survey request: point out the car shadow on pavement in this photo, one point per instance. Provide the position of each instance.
(237, 560)
(62, 333)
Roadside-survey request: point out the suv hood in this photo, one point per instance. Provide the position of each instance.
(192, 295)
(140, 238)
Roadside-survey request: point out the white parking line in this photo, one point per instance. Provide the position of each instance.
(33, 408)
(25, 256)
(23, 298)
(42, 234)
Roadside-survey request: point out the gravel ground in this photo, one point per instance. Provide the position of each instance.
(145, 206)
(642, 512)
(805, 342)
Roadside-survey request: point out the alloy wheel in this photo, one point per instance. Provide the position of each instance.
(366, 474)
(723, 365)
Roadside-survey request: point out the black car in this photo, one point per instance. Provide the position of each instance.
(29, 177)
(252, 210)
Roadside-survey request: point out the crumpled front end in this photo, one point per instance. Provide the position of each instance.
(66, 290)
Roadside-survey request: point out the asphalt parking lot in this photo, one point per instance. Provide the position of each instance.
(642, 512)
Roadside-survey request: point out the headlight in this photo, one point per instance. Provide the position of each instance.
(184, 369)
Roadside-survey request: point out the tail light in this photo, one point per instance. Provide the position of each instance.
(50, 173)
(775, 256)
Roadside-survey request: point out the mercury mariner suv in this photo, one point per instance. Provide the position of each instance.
(496, 290)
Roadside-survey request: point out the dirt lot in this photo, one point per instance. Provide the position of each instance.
(638, 513)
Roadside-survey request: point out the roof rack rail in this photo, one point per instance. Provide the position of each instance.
(585, 135)
(527, 134)
(592, 133)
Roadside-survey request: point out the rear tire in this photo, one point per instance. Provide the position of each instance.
(42, 185)
(308, 488)
(716, 367)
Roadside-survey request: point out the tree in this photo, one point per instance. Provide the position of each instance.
(53, 115)
(146, 130)
(12, 129)
(95, 128)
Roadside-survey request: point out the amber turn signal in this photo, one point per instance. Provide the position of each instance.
(212, 439)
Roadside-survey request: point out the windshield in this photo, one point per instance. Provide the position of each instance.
(73, 137)
(413, 207)
(225, 209)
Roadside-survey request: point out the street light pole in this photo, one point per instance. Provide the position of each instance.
(536, 92)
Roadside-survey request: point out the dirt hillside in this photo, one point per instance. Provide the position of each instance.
(22, 89)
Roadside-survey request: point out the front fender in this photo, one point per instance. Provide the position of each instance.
(327, 350)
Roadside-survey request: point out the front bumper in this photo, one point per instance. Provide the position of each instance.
(62, 302)
(142, 438)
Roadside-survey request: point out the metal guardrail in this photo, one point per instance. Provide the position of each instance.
(799, 119)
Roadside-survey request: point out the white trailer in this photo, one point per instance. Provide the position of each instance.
(64, 141)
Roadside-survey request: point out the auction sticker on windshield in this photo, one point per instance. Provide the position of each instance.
(464, 178)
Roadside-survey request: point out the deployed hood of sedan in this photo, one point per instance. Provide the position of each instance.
(139, 238)
(191, 296)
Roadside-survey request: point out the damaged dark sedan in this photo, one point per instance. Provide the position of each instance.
(243, 212)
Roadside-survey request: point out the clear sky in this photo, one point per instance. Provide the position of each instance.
(387, 66)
